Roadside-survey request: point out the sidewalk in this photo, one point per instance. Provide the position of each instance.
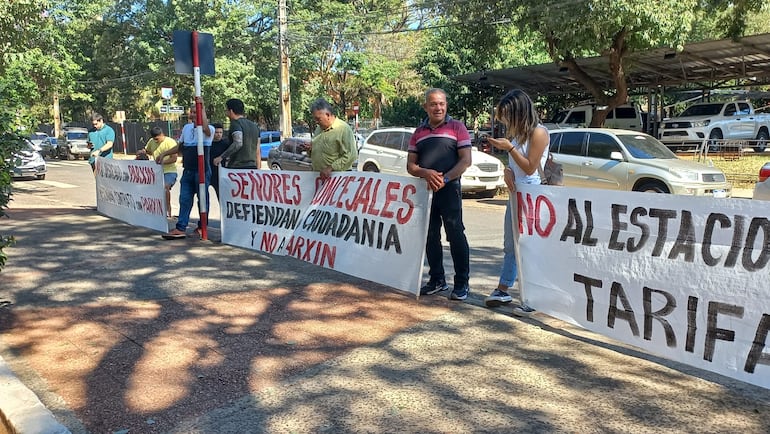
(118, 331)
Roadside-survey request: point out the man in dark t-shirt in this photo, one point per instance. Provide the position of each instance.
(243, 152)
(218, 146)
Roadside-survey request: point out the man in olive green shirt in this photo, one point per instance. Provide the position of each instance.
(334, 145)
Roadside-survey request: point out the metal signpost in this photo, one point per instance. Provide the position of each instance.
(194, 53)
(202, 196)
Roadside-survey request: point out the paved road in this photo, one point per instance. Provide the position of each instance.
(118, 331)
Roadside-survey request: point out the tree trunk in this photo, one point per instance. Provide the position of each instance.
(605, 103)
(616, 54)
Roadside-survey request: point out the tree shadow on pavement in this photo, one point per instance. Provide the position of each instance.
(135, 332)
(472, 371)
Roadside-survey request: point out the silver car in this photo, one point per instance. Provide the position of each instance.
(631, 161)
(292, 154)
(28, 163)
(75, 144)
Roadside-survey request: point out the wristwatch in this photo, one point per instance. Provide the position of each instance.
(446, 180)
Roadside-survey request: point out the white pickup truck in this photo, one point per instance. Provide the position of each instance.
(625, 117)
(717, 121)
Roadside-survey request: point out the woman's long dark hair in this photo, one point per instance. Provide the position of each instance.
(517, 112)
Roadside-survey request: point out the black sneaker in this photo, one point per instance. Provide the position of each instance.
(434, 286)
(497, 298)
(460, 292)
(523, 311)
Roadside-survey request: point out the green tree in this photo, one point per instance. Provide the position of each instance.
(403, 112)
(126, 49)
(736, 18)
(18, 21)
(10, 143)
(455, 48)
(353, 52)
(38, 57)
(377, 78)
(612, 28)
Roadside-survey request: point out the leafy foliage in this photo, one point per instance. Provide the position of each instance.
(124, 54)
(10, 144)
(18, 22)
(579, 28)
(735, 16)
(129, 55)
(453, 49)
(404, 112)
(352, 52)
(109, 55)
(17, 18)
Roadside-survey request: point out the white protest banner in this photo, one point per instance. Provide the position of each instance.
(363, 224)
(682, 277)
(376, 224)
(260, 209)
(131, 191)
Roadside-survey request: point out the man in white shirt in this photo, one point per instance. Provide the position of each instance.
(188, 184)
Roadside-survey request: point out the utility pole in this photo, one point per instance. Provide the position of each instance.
(283, 73)
(56, 115)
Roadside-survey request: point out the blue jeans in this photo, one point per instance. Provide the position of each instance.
(510, 269)
(447, 207)
(188, 189)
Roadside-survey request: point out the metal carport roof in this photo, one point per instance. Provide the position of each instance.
(700, 65)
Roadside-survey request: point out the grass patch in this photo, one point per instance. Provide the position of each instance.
(741, 172)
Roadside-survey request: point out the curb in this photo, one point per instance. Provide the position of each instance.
(21, 412)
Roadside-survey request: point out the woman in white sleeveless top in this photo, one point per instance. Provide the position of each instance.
(526, 142)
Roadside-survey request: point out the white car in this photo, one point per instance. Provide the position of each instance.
(28, 163)
(762, 187)
(385, 150)
(631, 161)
